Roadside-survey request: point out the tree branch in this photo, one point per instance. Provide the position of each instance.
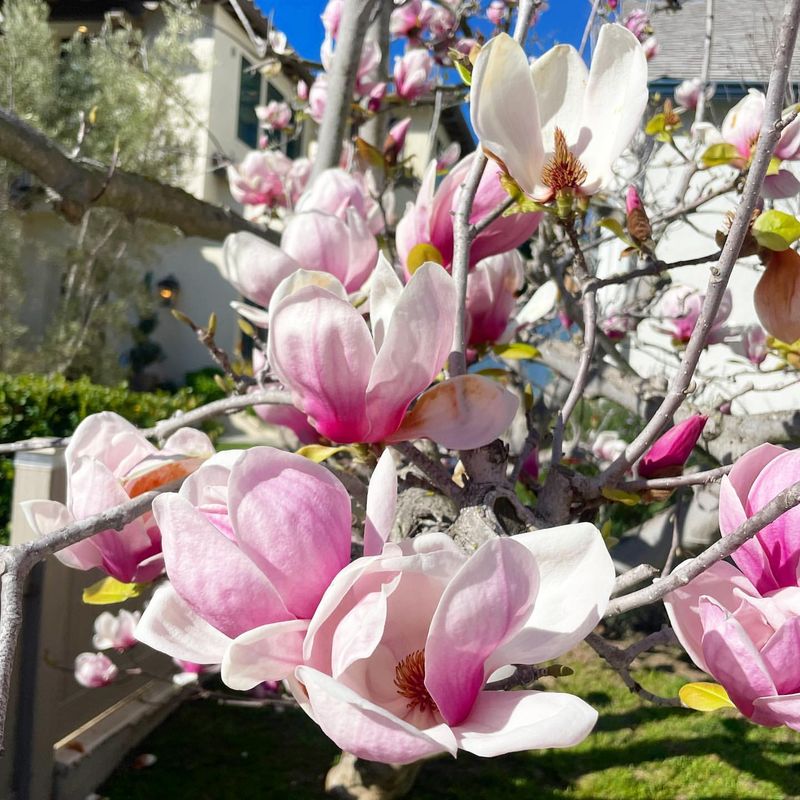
(82, 184)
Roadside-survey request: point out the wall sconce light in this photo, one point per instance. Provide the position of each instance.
(168, 290)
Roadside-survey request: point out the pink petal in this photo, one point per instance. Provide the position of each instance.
(461, 413)
(732, 658)
(381, 505)
(780, 710)
(169, 625)
(321, 350)
(188, 442)
(576, 576)
(507, 722)
(482, 607)
(214, 577)
(292, 518)
(254, 266)
(365, 729)
(416, 345)
(781, 656)
(46, 516)
(268, 653)
(780, 186)
(720, 581)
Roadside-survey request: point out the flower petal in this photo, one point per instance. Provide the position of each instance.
(416, 345)
(462, 413)
(170, 626)
(483, 606)
(616, 97)
(780, 655)
(365, 729)
(386, 289)
(720, 581)
(268, 653)
(292, 518)
(780, 710)
(381, 505)
(320, 348)
(507, 722)
(542, 302)
(576, 577)
(504, 110)
(46, 516)
(215, 578)
(254, 266)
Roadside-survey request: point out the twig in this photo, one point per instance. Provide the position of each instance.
(692, 479)
(655, 268)
(431, 469)
(767, 140)
(683, 573)
(629, 579)
(494, 214)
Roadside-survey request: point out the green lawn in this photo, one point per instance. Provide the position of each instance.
(211, 752)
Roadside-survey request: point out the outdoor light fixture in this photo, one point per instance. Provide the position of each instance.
(168, 289)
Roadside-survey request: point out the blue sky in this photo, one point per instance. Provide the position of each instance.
(299, 20)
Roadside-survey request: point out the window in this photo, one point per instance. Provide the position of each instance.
(249, 98)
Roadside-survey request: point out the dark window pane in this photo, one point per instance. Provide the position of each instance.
(249, 98)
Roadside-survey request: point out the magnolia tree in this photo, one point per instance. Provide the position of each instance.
(443, 533)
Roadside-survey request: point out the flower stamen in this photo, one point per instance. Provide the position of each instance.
(409, 678)
(563, 170)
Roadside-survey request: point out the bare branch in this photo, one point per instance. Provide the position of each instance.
(629, 579)
(81, 184)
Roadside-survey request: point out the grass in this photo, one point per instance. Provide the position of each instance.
(637, 751)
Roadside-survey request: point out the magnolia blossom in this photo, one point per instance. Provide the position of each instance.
(680, 309)
(310, 240)
(258, 179)
(410, 19)
(275, 115)
(356, 381)
(429, 219)
(638, 23)
(741, 127)
(395, 139)
(492, 288)
(368, 71)
(318, 97)
(448, 157)
(754, 344)
(651, 47)
(398, 654)
(669, 452)
(441, 21)
(251, 542)
(335, 190)
(608, 447)
(190, 672)
(109, 462)
(556, 127)
(332, 16)
(413, 74)
(687, 94)
(94, 670)
(116, 632)
(777, 295)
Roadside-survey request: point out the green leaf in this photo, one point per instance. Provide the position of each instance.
(110, 590)
(704, 696)
(774, 166)
(656, 124)
(776, 230)
(516, 351)
(718, 154)
(319, 453)
(616, 228)
(620, 496)
(463, 73)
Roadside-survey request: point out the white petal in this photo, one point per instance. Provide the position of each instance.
(385, 291)
(542, 302)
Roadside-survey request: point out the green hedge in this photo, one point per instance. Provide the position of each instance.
(38, 405)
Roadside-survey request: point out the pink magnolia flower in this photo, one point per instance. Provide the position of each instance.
(687, 94)
(356, 381)
(741, 128)
(275, 115)
(496, 12)
(396, 138)
(190, 672)
(94, 670)
(448, 157)
(297, 178)
(754, 342)
(368, 72)
(411, 19)
(116, 632)
(555, 126)
(608, 447)
(669, 452)
(336, 190)
(318, 97)
(491, 295)
(680, 309)
(258, 179)
(745, 638)
(109, 462)
(302, 90)
(413, 74)
(251, 542)
(651, 47)
(638, 23)
(398, 654)
(332, 16)
(310, 240)
(375, 97)
(429, 219)
(441, 21)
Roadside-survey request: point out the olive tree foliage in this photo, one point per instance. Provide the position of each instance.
(110, 97)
